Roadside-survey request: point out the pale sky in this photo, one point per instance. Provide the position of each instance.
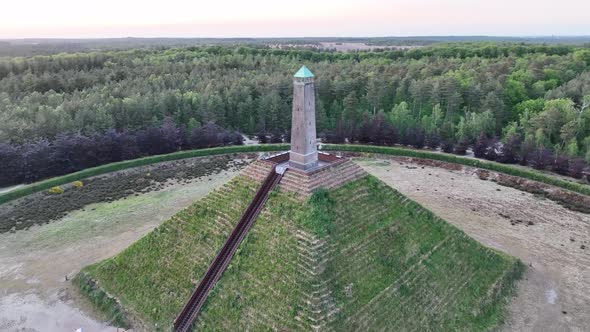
(295, 18)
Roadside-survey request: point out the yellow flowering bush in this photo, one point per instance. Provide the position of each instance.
(57, 190)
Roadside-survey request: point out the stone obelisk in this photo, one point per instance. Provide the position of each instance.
(304, 153)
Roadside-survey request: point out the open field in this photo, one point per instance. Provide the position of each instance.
(547, 237)
(361, 257)
(34, 263)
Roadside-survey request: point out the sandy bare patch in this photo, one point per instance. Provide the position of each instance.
(555, 292)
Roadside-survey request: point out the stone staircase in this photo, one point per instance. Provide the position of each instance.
(258, 170)
(328, 177)
(302, 183)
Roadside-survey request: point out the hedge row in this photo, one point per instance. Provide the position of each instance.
(396, 151)
(492, 166)
(113, 167)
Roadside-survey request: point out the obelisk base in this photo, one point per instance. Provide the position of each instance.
(303, 162)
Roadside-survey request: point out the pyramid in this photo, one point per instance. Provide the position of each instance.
(355, 256)
(330, 249)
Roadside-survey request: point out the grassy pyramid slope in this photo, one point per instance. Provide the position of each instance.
(360, 257)
(153, 277)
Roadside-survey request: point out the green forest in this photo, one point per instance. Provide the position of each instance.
(521, 101)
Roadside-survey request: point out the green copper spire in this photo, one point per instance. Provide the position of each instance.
(304, 73)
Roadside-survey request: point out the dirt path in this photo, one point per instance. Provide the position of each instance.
(555, 292)
(34, 263)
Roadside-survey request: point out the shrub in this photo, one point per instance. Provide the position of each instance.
(447, 146)
(433, 141)
(576, 168)
(78, 184)
(262, 137)
(57, 190)
(276, 137)
(415, 137)
(509, 150)
(287, 136)
(237, 139)
(541, 158)
(460, 148)
(11, 167)
(389, 136)
(481, 146)
(366, 132)
(560, 164)
(491, 153)
(492, 150)
(333, 136)
(526, 154)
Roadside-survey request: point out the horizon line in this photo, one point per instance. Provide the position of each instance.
(310, 37)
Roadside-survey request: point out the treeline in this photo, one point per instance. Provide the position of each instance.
(549, 134)
(453, 92)
(89, 60)
(69, 153)
(41, 46)
(379, 130)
